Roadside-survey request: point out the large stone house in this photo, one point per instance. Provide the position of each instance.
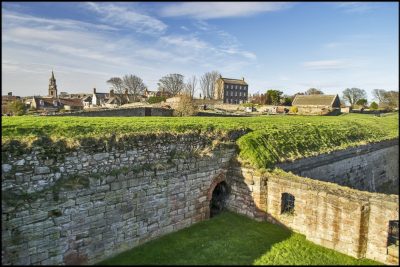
(232, 91)
(317, 104)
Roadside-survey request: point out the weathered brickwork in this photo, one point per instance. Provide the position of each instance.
(108, 202)
(371, 167)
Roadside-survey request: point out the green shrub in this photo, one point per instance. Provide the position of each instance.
(156, 99)
(248, 105)
(373, 106)
(17, 108)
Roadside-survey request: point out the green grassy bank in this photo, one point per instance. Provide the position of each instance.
(270, 138)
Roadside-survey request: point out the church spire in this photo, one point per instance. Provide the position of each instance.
(52, 86)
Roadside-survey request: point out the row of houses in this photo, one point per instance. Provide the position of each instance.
(226, 90)
(73, 102)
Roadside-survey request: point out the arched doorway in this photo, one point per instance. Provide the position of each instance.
(218, 199)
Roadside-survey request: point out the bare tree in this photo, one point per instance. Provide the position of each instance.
(117, 84)
(379, 94)
(185, 107)
(172, 83)
(207, 82)
(352, 95)
(190, 86)
(314, 91)
(391, 100)
(134, 85)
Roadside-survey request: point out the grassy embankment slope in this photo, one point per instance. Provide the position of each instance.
(271, 139)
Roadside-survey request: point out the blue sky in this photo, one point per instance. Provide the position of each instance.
(287, 46)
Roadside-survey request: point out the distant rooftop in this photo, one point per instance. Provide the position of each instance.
(234, 81)
(315, 100)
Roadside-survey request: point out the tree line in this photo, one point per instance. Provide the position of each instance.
(352, 96)
(171, 85)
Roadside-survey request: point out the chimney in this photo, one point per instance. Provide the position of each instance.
(112, 93)
(9, 93)
(220, 76)
(94, 90)
(243, 78)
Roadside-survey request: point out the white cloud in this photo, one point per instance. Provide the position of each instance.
(122, 16)
(32, 46)
(326, 64)
(72, 43)
(184, 41)
(213, 10)
(334, 44)
(18, 18)
(355, 7)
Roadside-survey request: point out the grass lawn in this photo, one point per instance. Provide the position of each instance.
(229, 239)
(270, 139)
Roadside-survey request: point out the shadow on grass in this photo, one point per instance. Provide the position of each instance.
(225, 239)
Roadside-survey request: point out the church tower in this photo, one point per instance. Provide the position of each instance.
(52, 86)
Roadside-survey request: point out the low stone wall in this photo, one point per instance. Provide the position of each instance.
(87, 205)
(317, 110)
(371, 167)
(122, 112)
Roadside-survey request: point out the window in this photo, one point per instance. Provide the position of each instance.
(287, 203)
(41, 102)
(393, 233)
(55, 103)
(231, 86)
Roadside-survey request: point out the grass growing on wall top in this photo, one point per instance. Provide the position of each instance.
(231, 239)
(271, 138)
(264, 147)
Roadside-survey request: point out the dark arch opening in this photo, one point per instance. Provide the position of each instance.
(218, 199)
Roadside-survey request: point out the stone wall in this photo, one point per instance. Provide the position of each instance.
(122, 112)
(85, 206)
(371, 167)
(344, 219)
(317, 110)
(79, 205)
